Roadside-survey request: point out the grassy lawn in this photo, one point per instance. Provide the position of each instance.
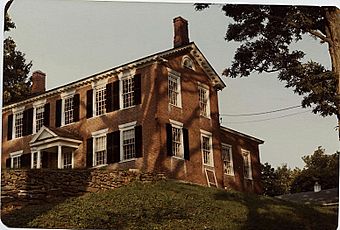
(172, 205)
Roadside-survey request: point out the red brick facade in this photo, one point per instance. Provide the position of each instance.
(151, 115)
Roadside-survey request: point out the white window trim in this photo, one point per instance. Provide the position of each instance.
(203, 86)
(176, 76)
(36, 105)
(122, 128)
(122, 76)
(96, 134)
(72, 160)
(15, 111)
(231, 159)
(244, 152)
(64, 96)
(178, 125)
(15, 154)
(208, 135)
(96, 86)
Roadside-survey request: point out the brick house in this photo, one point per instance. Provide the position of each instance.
(157, 113)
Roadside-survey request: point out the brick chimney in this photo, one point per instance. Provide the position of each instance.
(181, 32)
(38, 82)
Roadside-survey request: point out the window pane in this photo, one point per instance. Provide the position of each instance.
(18, 124)
(173, 90)
(128, 93)
(177, 142)
(16, 162)
(227, 160)
(206, 150)
(67, 160)
(39, 118)
(129, 144)
(100, 101)
(68, 110)
(100, 150)
(203, 100)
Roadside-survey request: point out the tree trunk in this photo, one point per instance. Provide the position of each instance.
(333, 32)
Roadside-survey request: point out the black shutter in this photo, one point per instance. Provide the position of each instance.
(110, 148)
(138, 90)
(9, 127)
(29, 121)
(24, 123)
(27, 126)
(58, 113)
(76, 107)
(115, 95)
(186, 143)
(169, 139)
(138, 141)
(108, 98)
(116, 146)
(89, 103)
(25, 161)
(89, 152)
(46, 115)
(8, 163)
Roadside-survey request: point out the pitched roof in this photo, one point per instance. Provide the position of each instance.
(160, 56)
(242, 134)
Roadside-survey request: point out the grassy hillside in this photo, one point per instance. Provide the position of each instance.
(172, 205)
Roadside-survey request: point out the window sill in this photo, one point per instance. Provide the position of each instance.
(178, 158)
(227, 174)
(99, 166)
(176, 106)
(208, 165)
(128, 160)
(246, 178)
(207, 117)
(121, 109)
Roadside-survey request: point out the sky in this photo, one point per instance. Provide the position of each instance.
(70, 40)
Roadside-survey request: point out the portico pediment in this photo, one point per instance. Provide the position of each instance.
(49, 137)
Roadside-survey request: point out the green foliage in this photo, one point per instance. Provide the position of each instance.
(319, 167)
(266, 33)
(16, 83)
(171, 205)
(277, 181)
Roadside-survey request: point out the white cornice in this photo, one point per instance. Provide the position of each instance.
(160, 57)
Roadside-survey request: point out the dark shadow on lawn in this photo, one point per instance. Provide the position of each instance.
(272, 213)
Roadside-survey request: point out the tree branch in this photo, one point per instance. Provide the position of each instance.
(319, 35)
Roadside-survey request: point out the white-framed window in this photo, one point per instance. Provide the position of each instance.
(128, 92)
(99, 97)
(177, 139)
(99, 147)
(187, 62)
(67, 160)
(206, 146)
(34, 160)
(18, 124)
(16, 159)
(38, 115)
(204, 102)
(174, 89)
(100, 102)
(246, 164)
(227, 158)
(68, 110)
(128, 142)
(39, 118)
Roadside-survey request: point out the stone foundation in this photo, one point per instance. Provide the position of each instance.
(20, 187)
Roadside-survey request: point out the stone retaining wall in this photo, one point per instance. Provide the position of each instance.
(20, 187)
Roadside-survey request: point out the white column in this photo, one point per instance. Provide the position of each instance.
(38, 159)
(32, 154)
(59, 157)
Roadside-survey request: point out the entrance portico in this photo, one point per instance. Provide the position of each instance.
(52, 148)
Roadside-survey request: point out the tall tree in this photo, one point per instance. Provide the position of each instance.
(319, 167)
(266, 33)
(16, 82)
